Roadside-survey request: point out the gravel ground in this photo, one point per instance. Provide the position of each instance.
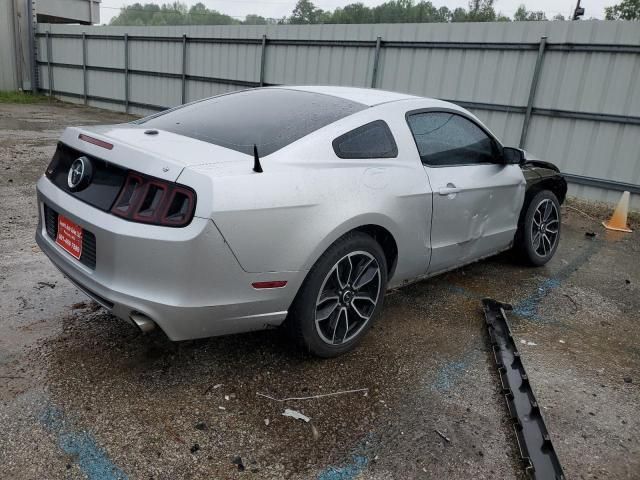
(83, 395)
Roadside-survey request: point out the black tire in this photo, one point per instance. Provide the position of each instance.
(532, 229)
(353, 248)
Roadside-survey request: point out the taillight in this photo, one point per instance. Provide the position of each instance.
(151, 200)
(96, 141)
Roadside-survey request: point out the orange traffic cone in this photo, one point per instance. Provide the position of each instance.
(618, 220)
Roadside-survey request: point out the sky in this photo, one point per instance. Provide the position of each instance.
(281, 8)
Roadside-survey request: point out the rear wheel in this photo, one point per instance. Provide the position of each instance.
(340, 297)
(540, 234)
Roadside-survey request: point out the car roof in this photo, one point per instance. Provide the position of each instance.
(267, 118)
(366, 96)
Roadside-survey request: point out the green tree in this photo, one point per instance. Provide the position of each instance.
(199, 14)
(306, 12)
(459, 15)
(481, 11)
(352, 13)
(175, 13)
(255, 20)
(524, 15)
(625, 10)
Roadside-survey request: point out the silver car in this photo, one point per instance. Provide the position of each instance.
(294, 206)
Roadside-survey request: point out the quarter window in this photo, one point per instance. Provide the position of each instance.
(373, 140)
(445, 138)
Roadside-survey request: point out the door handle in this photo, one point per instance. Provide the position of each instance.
(449, 189)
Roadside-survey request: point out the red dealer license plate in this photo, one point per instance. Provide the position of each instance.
(69, 236)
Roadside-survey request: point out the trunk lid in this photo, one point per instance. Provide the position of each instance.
(163, 155)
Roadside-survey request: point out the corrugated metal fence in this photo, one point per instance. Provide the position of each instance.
(566, 91)
(15, 28)
(7, 55)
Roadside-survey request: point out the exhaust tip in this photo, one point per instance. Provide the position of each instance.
(143, 322)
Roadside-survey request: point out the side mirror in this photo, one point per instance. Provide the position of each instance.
(512, 156)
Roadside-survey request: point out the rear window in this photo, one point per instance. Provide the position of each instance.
(373, 140)
(269, 118)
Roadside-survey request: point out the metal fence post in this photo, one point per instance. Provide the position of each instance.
(183, 95)
(126, 72)
(16, 16)
(50, 71)
(84, 66)
(532, 91)
(376, 61)
(263, 51)
(33, 50)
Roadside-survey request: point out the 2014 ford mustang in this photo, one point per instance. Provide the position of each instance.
(286, 205)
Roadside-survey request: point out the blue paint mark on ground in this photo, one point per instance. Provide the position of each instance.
(528, 307)
(348, 472)
(91, 458)
(450, 372)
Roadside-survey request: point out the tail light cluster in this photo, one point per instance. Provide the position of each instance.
(151, 200)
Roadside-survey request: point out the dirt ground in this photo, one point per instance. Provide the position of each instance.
(83, 395)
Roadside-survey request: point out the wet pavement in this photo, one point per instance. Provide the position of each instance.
(83, 395)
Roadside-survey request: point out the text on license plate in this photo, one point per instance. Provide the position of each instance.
(69, 236)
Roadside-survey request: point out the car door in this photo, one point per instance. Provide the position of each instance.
(476, 197)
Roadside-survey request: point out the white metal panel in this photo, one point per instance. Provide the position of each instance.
(154, 56)
(149, 90)
(102, 53)
(197, 90)
(104, 84)
(8, 76)
(71, 11)
(67, 80)
(238, 62)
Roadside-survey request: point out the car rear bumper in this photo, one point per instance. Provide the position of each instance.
(184, 279)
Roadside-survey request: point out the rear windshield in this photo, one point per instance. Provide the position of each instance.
(269, 118)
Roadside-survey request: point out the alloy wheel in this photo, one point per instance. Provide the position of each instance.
(544, 227)
(348, 297)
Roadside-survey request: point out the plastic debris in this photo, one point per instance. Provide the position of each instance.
(238, 461)
(212, 387)
(366, 390)
(448, 440)
(295, 414)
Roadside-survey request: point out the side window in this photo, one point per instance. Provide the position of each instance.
(373, 140)
(445, 138)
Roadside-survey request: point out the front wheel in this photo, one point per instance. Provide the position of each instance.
(340, 297)
(540, 234)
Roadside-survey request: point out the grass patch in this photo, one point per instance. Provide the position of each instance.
(22, 97)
